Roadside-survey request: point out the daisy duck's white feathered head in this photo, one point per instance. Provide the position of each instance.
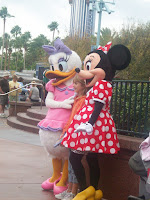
(63, 62)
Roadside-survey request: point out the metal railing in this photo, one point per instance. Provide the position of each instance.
(130, 107)
(24, 86)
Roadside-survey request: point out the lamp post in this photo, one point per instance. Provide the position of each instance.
(99, 6)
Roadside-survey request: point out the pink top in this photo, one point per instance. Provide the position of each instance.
(56, 118)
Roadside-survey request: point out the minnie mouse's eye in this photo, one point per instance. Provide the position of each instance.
(88, 65)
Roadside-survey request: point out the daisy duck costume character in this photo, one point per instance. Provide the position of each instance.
(92, 130)
(59, 100)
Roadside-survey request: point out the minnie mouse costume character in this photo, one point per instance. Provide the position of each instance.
(93, 130)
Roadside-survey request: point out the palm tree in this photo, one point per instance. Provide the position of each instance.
(53, 26)
(4, 14)
(15, 31)
(6, 46)
(25, 43)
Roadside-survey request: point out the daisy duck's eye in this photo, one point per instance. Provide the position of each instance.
(62, 66)
(52, 68)
(88, 65)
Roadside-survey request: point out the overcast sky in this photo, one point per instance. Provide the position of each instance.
(35, 16)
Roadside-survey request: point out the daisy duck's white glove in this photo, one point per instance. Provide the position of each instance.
(51, 103)
(87, 127)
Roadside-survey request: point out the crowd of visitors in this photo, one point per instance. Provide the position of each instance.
(35, 93)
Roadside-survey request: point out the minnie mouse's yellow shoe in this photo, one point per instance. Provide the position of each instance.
(85, 194)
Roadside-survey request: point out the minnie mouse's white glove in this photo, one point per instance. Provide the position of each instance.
(87, 127)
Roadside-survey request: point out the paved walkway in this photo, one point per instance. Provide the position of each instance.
(23, 165)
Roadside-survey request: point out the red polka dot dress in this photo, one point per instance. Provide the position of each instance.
(103, 139)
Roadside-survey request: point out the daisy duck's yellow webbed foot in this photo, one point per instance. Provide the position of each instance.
(57, 165)
(87, 193)
(64, 177)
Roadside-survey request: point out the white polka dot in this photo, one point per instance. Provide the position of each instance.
(87, 148)
(118, 145)
(103, 128)
(84, 116)
(110, 121)
(102, 115)
(107, 128)
(69, 137)
(79, 117)
(113, 129)
(71, 122)
(76, 126)
(84, 133)
(110, 143)
(86, 102)
(109, 98)
(112, 150)
(105, 121)
(64, 143)
(72, 144)
(86, 140)
(75, 117)
(108, 85)
(74, 135)
(96, 84)
(115, 137)
(98, 123)
(103, 143)
(100, 151)
(100, 137)
(92, 141)
(91, 101)
(82, 141)
(87, 94)
(77, 142)
(90, 115)
(69, 130)
(96, 132)
(108, 135)
(89, 108)
(95, 92)
(101, 95)
(106, 92)
(101, 86)
(84, 109)
(107, 114)
(93, 149)
(97, 146)
(79, 149)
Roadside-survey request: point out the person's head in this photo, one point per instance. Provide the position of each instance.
(14, 77)
(79, 85)
(6, 75)
(33, 84)
(20, 79)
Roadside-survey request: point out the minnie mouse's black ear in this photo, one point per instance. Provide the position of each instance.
(119, 57)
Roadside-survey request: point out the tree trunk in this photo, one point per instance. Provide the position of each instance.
(5, 59)
(3, 44)
(24, 67)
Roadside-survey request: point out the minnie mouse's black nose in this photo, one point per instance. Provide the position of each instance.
(77, 70)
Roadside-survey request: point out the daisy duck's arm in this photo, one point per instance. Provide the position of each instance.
(51, 103)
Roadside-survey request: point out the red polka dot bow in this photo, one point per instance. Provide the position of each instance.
(105, 48)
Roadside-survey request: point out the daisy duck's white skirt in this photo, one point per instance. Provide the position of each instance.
(48, 140)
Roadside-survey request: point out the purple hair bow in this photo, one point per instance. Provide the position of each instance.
(58, 47)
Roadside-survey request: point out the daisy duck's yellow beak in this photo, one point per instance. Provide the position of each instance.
(60, 77)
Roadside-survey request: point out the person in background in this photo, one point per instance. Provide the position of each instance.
(4, 88)
(140, 164)
(34, 93)
(14, 96)
(22, 95)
